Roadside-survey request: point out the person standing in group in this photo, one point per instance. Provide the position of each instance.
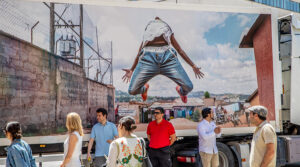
(264, 141)
(117, 114)
(207, 133)
(19, 153)
(73, 144)
(161, 135)
(103, 133)
(128, 150)
(247, 113)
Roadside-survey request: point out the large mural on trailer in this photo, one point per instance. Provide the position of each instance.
(201, 54)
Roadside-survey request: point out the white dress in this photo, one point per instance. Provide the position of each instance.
(75, 159)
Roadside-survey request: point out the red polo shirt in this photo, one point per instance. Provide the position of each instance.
(160, 133)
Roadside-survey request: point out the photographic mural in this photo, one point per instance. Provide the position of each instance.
(133, 59)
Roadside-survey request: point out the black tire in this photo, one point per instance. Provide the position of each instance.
(226, 157)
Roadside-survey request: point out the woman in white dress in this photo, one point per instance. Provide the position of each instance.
(73, 144)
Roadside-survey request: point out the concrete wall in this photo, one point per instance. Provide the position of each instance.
(100, 95)
(262, 43)
(38, 88)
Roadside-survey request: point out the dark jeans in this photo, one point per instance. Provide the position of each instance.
(99, 161)
(160, 157)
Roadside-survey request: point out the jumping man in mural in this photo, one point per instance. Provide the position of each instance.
(158, 55)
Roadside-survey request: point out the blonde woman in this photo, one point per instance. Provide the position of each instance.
(72, 145)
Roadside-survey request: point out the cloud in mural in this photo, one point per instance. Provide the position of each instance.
(243, 20)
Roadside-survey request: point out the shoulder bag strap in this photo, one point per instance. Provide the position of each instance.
(143, 147)
(118, 161)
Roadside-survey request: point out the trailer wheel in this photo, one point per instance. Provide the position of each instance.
(226, 157)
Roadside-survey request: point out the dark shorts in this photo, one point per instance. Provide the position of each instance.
(160, 157)
(99, 161)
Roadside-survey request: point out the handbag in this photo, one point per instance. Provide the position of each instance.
(146, 159)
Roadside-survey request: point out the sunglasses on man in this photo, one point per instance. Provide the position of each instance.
(157, 113)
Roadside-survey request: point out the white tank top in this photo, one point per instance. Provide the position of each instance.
(156, 28)
(75, 159)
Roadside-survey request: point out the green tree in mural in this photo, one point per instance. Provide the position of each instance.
(196, 115)
(206, 94)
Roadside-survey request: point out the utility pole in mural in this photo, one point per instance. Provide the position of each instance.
(81, 37)
(52, 30)
(66, 36)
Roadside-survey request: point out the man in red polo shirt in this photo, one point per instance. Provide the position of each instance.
(161, 135)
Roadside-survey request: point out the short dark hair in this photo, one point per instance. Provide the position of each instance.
(128, 122)
(160, 109)
(103, 111)
(15, 129)
(261, 117)
(205, 112)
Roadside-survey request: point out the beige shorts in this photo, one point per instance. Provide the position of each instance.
(209, 160)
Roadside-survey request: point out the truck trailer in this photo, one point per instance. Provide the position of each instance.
(274, 39)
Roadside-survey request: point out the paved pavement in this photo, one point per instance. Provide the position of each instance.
(58, 163)
(46, 164)
(50, 157)
(48, 160)
(50, 164)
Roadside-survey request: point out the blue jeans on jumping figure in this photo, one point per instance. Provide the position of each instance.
(154, 61)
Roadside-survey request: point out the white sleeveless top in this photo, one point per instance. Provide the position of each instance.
(75, 159)
(156, 28)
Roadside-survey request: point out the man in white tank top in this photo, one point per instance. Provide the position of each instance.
(158, 55)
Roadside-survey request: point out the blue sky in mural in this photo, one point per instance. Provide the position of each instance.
(229, 31)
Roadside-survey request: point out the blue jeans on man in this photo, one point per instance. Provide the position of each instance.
(159, 60)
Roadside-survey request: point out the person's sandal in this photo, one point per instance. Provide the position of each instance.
(183, 98)
(144, 95)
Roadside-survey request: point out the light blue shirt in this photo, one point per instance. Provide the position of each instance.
(102, 133)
